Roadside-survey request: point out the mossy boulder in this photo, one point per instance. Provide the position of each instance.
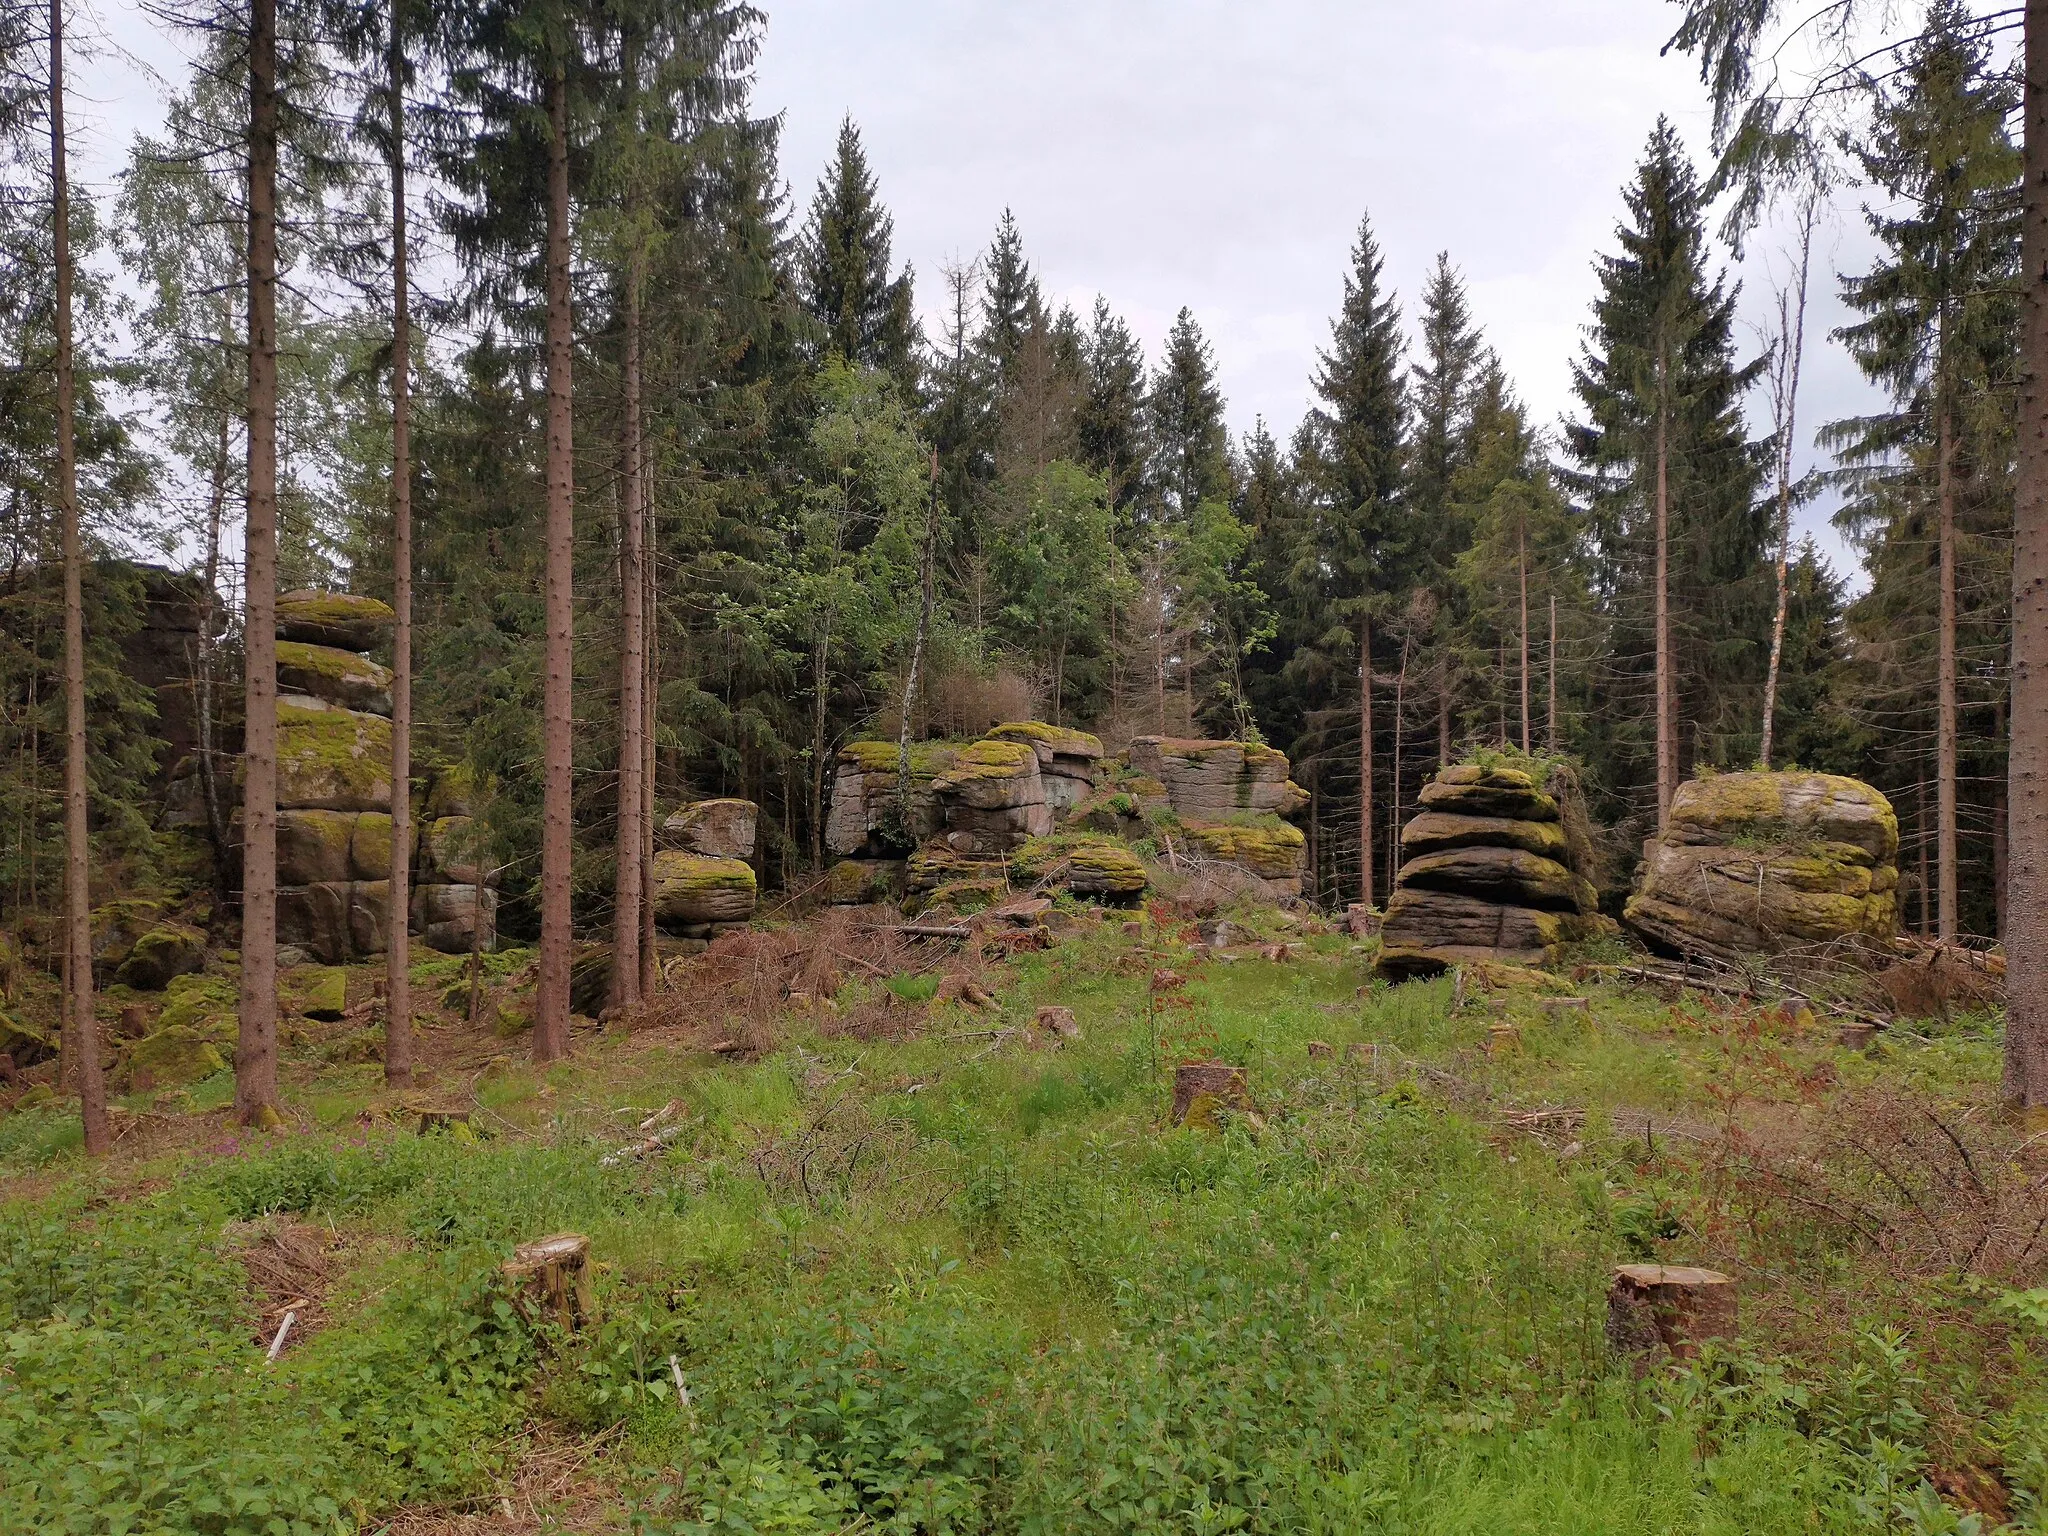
(448, 853)
(992, 776)
(335, 921)
(1085, 865)
(717, 829)
(859, 882)
(116, 925)
(174, 949)
(199, 1001)
(343, 620)
(690, 889)
(334, 676)
(1490, 789)
(172, 1057)
(865, 817)
(453, 918)
(1759, 863)
(1426, 932)
(312, 845)
(321, 991)
(1068, 760)
(23, 1043)
(451, 791)
(1511, 875)
(935, 864)
(332, 760)
(1267, 847)
(962, 898)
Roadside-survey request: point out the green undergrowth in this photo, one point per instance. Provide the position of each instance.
(960, 1285)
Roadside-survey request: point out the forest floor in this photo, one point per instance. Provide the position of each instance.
(870, 1257)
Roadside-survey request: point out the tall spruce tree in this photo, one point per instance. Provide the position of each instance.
(1939, 334)
(1366, 546)
(1668, 480)
(843, 258)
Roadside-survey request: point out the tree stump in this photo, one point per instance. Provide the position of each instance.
(1202, 1090)
(1361, 921)
(1319, 1050)
(1855, 1037)
(1503, 1039)
(1669, 1307)
(134, 1023)
(552, 1278)
(1060, 1022)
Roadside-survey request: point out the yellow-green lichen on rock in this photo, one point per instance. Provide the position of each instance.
(690, 889)
(345, 620)
(934, 864)
(172, 1057)
(332, 759)
(167, 951)
(1757, 863)
(988, 760)
(328, 673)
(1084, 864)
(1269, 848)
(928, 759)
(312, 845)
(198, 1000)
(859, 882)
(1060, 740)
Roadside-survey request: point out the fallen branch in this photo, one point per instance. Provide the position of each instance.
(932, 931)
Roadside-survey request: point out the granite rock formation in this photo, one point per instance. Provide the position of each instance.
(1759, 863)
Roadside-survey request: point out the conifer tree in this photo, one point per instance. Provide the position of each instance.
(1938, 335)
(1010, 303)
(1668, 480)
(1368, 546)
(843, 256)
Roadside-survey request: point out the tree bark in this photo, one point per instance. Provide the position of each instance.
(1667, 743)
(650, 684)
(256, 1044)
(1522, 561)
(927, 560)
(1365, 831)
(1443, 708)
(80, 1023)
(398, 952)
(551, 1011)
(626, 889)
(1785, 403)
(1945, 687)
(1550, 728)
(1394, 811)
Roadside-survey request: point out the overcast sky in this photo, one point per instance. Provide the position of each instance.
(1219, 155)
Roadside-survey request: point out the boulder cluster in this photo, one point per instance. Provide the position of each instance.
(1498, 865)
(334, 831)
(1045, 803)
(1762, 863)
(703, 872)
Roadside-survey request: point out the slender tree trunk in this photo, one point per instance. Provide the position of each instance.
(398, 921)
(1443, 709)
(1667, 739)
(1522, 562)
(1159, 647)
(207, 659)
(1920, 839)
(926, 561)
(2026, 889)
(1365, 828)
(821, 675)
(256, 1046)
(2000, 851)
(551, 1013)
(626, 889)
(1394, 811)
(1785, 403)
(650, 681)
(1315, 840)
(1945, 726)
(1550, 728)
(80, 1022)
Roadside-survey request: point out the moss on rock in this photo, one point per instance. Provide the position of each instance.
(312, 845)
(1086, 865)
(857, 882)
(198, 1000)
(988, 760)
(935, 864)
(171, 1058)
(322, 991)
(342, 619)
(333, 760)
(928, 759)
(175, 949)
(334, 676)
(1050, 740)
(1269, 848)
(690, 888)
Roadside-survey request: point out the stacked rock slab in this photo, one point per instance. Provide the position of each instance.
(454, 892)
(871, 825)
(992, 799)
(333, 776)
(1230, 797)
(1069, 761)
(703, 877)
(1497, 866)
(1760, 863)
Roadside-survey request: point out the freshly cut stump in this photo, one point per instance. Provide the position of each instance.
(553, 1276)
(1059, 1021)
(1673, 1307)
(1202, 1090)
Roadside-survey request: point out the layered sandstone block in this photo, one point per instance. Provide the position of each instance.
(869, 815)
(991, 798)
(717, 829)
(1498, 865)
(1069, 761)
(1206, 780)
(1758, 863)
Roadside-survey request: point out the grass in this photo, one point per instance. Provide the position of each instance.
(960, 1285)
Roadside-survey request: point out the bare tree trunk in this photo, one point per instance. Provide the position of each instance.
(650, 682)
(1315, 840)
(926, 562)
(256, 1046)
(1365, 829)
(1784, 411)
(1550, 729)
(1522, 561)
(821, 675)
(1920, 840)
(551, 1011)
(80, 1022)
(2026, 898)
(398, 922)
(206, 659)
(1945, 668)
(626, 889)
(1394, 811)
(1443, 709)
(2000, 850)
(1667, 740)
